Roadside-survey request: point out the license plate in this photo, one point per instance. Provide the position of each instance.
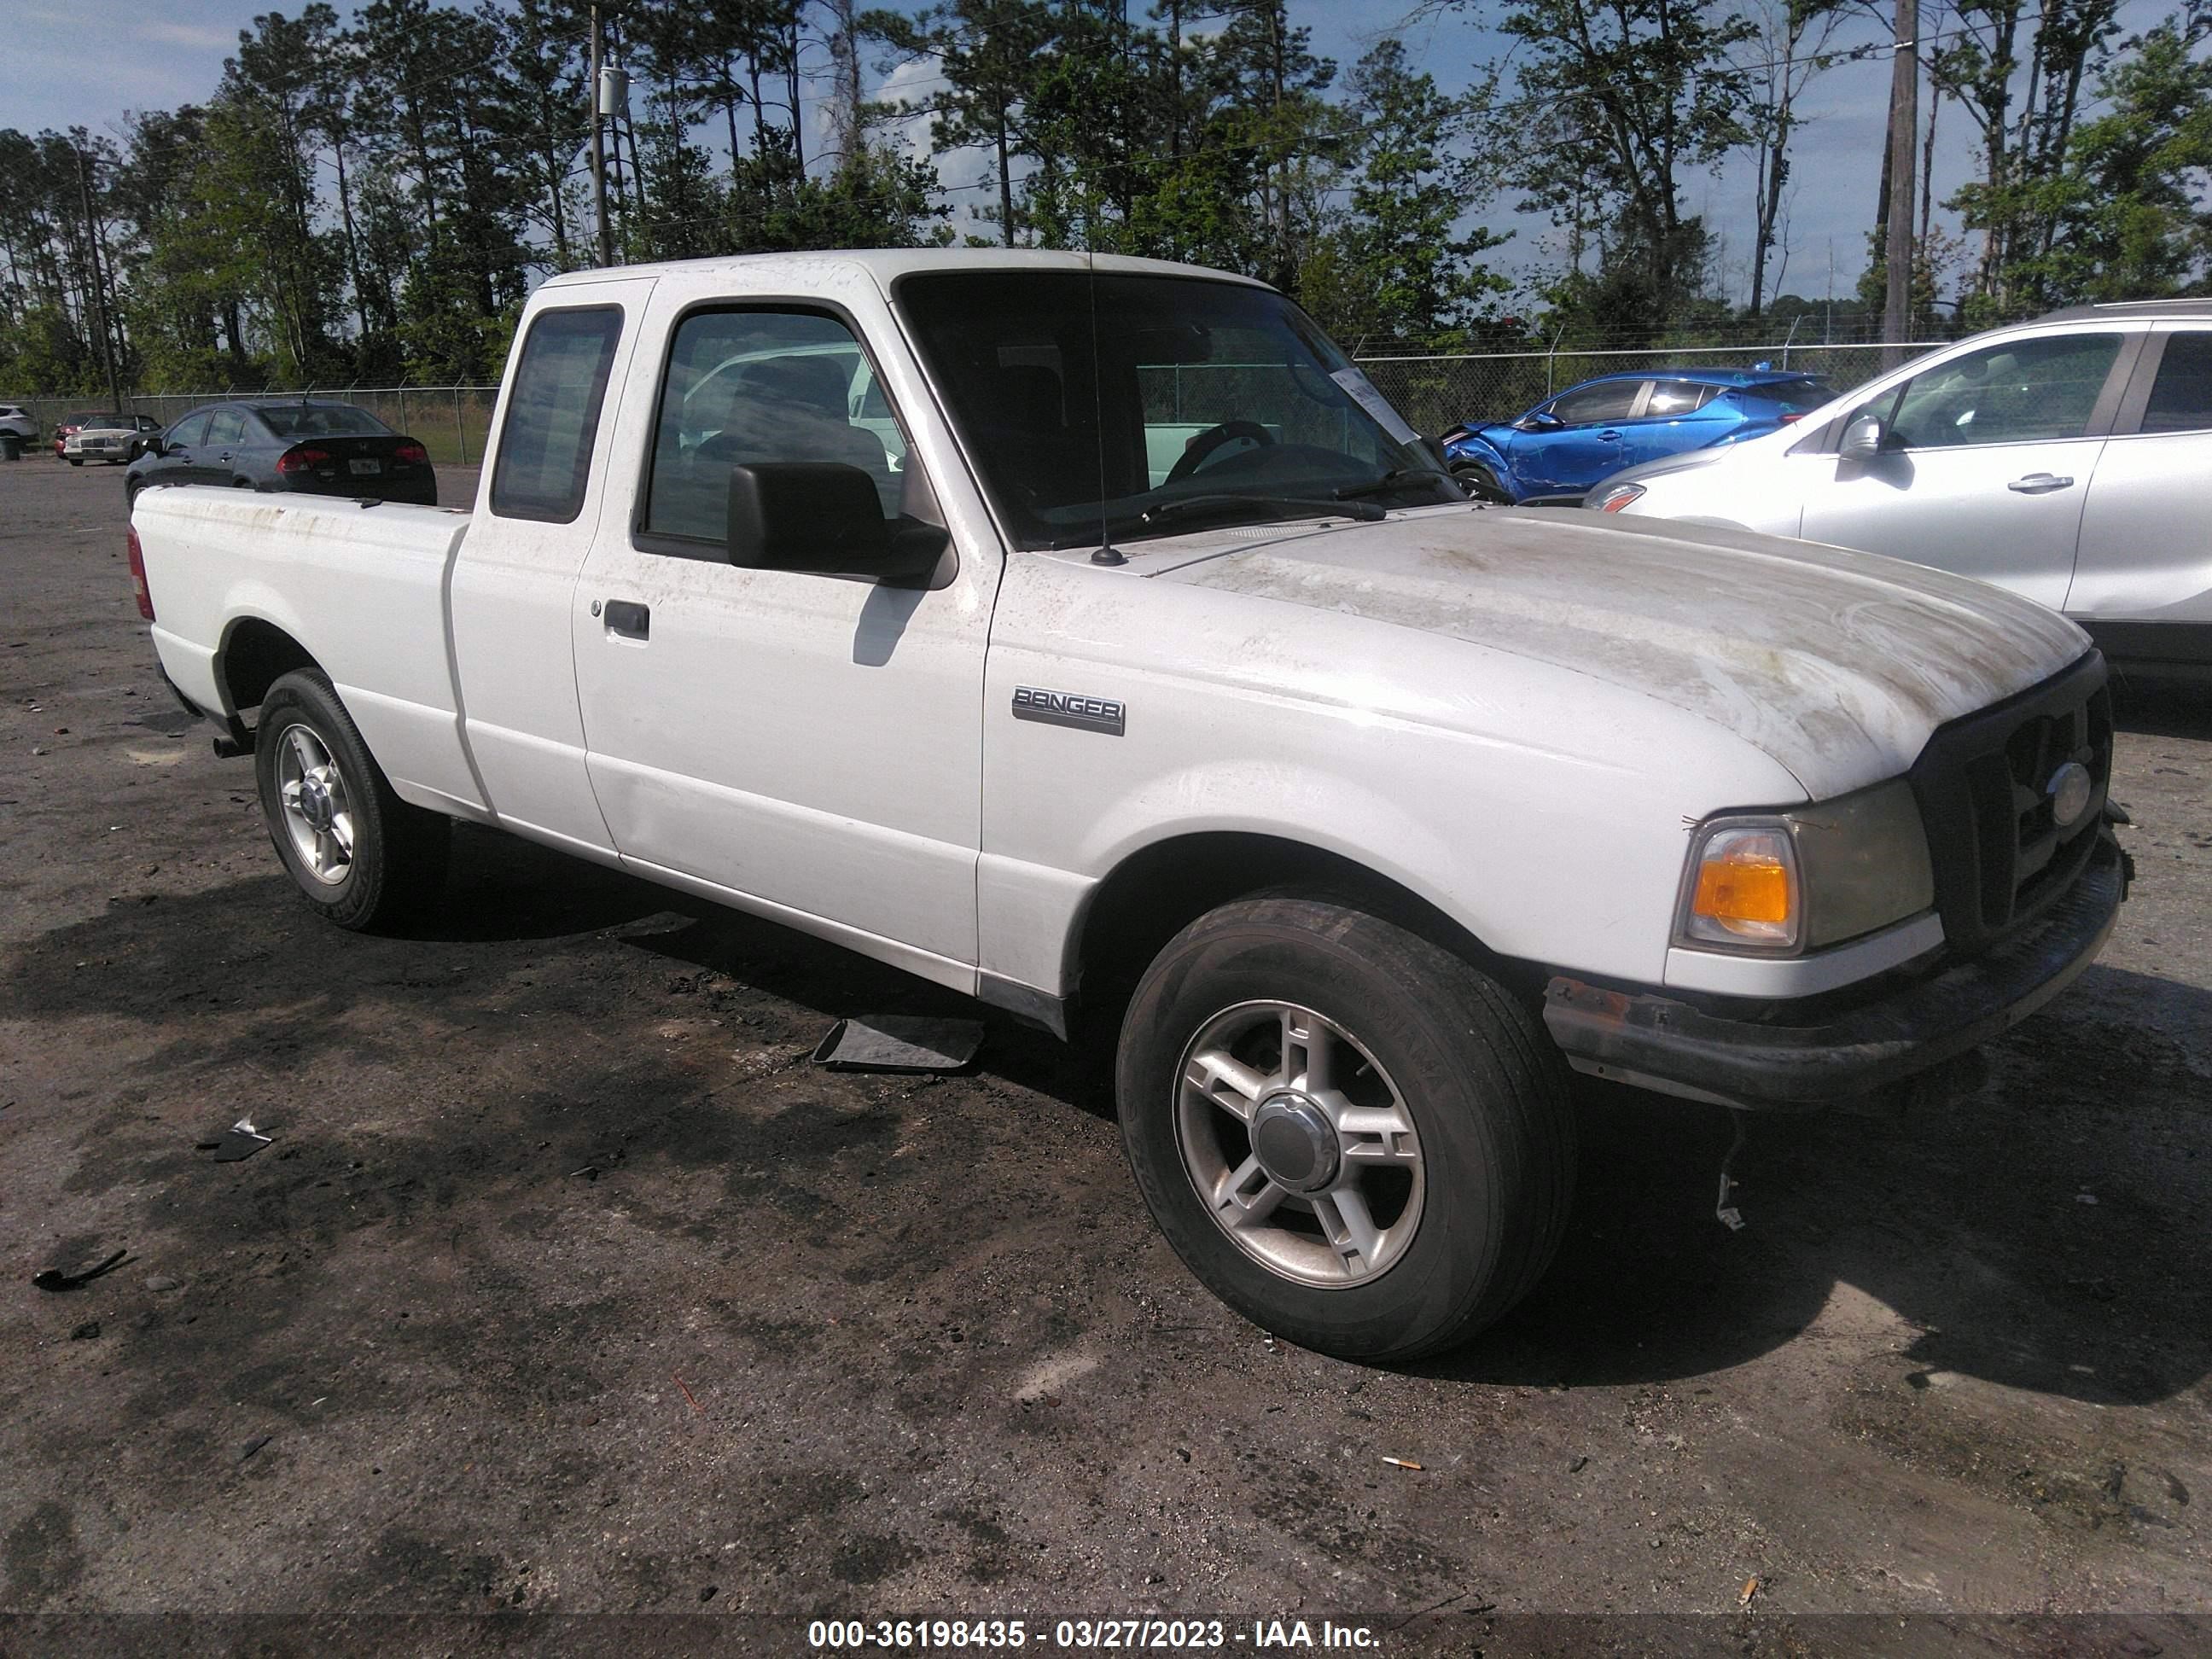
(364, 469)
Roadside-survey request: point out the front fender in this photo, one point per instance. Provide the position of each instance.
(1474, 446)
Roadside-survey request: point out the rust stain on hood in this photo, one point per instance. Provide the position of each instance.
(1837, 665)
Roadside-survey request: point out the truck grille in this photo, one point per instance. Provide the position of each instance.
(1983, 783)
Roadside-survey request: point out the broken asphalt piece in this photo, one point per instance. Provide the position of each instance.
(900, 1043)
(252, 1447)
(1578, 1465)
(87, 1332)
(240, 1140)
(53, 1279)
(162, 1282)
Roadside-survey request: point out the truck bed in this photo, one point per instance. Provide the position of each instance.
(361, 586)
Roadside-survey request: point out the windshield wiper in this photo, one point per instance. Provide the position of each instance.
(1281, 507)
(1396, 476)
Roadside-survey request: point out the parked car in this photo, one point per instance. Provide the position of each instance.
(71, 423)
(1559, 449)
(20, 424)
(2063, 458)
(312, 446)
(1361, 811)
(114, 439)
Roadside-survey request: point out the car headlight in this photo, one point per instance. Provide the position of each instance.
(1619, 495)
(1808, 879)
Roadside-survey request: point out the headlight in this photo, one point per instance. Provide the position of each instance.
(1612, 500)
(1809, 879)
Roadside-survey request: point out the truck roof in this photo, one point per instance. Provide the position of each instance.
(887, 264)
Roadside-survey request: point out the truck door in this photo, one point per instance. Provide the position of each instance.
(808, 744)
(515, 580)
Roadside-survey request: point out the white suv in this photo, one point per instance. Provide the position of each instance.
(2063, 458)
(15, 418)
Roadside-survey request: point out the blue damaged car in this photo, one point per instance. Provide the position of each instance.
(1559, 449)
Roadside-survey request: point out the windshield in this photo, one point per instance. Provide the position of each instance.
(1182, 403)
(320, 421)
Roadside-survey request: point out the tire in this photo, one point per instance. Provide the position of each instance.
(1482, 482)
(1417, 1039)
(74, 461)
(360, 856)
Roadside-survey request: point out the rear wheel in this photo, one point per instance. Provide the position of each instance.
(361, 855)
(1351, 1135)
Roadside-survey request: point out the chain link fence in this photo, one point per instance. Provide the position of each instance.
(1432, 391)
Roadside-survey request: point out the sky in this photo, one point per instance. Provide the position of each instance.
(57, 72)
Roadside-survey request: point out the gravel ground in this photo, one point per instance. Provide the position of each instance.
(567, 1285)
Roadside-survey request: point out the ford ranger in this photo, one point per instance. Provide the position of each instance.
(1091, 635)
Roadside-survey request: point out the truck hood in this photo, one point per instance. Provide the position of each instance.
(1836, 665)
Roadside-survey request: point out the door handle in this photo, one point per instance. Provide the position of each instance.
(628, 618)
(1609, 435)
(2039, 483)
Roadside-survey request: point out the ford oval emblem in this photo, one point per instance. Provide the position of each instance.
(2069, 789)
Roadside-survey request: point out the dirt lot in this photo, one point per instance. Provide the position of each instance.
(567, 1284)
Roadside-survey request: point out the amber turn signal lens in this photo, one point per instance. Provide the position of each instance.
(1740, 889)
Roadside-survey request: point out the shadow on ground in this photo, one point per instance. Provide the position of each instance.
(1973, 1223)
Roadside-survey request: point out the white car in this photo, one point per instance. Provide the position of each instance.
(115, 439)
(2064, 459)
(1359, 811)
(19, 422)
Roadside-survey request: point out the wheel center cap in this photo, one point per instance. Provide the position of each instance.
(315, 803)
(1294, 1142)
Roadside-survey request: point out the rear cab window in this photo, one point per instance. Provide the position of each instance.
(551, 425)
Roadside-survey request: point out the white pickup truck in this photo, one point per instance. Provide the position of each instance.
(1092, 637)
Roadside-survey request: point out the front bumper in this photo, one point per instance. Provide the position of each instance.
(1866, 1056)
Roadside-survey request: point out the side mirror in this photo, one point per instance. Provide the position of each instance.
(822, 517)
(1861, 439)
(1541, 421)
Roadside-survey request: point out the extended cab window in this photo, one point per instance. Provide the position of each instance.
(553, 414)
(2181, 396)
(2021, 391)
(745, 387)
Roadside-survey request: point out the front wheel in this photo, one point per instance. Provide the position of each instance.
(361, 854)
(1351, 1135)
(75, 461)
(1482, 483)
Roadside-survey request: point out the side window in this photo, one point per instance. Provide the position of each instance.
(2181, 396)
(552, 419)
(226, 426)
(189, 431)
(1608, 400)
(1676, 398)
(745, 387)
(2021, 391)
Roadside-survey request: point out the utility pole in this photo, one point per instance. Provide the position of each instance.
(598, 146)
(99, 283)
(1903, 134)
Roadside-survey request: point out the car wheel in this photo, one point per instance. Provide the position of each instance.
(74, 460)
(361, 854)
(1482, 483)
(1353, 1136)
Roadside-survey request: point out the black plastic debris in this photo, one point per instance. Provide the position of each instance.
(240, 1140)
(900, 1043)
(253, 1446)
(53, 1279)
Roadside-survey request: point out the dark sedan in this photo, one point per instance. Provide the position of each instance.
(309, 445)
